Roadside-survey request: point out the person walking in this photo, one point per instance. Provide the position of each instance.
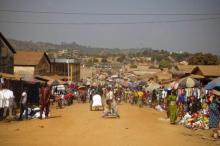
(214, 111)
(44, 100)
(172, 107)
(23, 105)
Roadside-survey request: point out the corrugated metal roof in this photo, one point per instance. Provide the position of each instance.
(64, 60)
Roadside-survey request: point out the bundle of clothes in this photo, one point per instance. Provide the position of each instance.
(197, 120)
(33, 113)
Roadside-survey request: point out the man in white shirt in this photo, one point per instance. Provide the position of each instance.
(8, 96)
(23, 104)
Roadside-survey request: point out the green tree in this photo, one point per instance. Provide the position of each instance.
(203, 59)
(164, 63)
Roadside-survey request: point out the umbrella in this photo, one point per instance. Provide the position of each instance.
(188, 83)
(213, 84)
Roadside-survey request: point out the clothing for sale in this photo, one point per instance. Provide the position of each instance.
(188, 92)
(199, 121)
(8, 101)
(180, 109)
(164, 94)
(181, 92)
(1, 99)
(2, 80)
(8, 97)
(199, 93)
(181, 98)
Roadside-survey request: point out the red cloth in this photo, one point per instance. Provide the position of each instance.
(45, 94)
(68, 96)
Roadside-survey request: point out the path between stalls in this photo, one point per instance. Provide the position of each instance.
(76, 125)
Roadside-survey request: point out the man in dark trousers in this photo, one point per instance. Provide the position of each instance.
(23, 104)
(44, 100)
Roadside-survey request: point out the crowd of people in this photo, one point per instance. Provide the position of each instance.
(192, 107)
(9, 104)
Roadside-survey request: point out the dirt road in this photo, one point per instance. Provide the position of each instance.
(77, 126)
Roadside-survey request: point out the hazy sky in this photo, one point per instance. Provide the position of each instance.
(195, 34)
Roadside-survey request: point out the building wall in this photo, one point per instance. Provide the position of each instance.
(62, 69)
(75, 72)
(24, 70)
(59, 68)
(197, 72)
(6, 58)
(43, 67)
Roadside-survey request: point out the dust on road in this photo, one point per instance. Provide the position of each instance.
(76, 125)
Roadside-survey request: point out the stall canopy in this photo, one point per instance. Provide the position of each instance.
(31, 80)
(214, 84)
(10, 76)
(56, 77)
(43, 78)
(188, 83)
(152, 86)
(55, 82)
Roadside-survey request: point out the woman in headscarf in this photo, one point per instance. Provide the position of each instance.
(214, 111)
(172, 107)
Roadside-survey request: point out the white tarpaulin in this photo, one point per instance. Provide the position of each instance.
(97, 100)
(152, 86)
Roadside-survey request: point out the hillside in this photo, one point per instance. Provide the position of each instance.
(45, 46)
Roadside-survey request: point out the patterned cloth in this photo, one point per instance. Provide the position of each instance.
(214, 114)
(172, 108)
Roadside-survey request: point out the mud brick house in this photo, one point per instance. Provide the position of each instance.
(6, 56)
(30, 63)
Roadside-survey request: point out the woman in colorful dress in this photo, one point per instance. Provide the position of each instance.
(181, 103)
(172, 107)
(140, 98)
(214, 111)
